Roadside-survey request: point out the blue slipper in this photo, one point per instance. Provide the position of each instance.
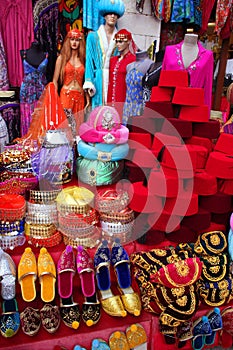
(99, 344)
(121, 262)
(10, 318)
(215, 320)
(201, 328)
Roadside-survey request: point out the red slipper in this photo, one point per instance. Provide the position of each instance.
(66, 271)
(85, 268)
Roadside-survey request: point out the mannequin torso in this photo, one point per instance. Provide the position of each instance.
(34, 55)
(189, 49)
(142, 62)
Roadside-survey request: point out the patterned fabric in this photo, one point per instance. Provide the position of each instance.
(69, 17)
(4, 82)
(134, 105)
(183, 11)
(224, 11)
(30, 91)
(16, 24)
(91, 18)
(11, 114)
(4, 136)
(45, 15)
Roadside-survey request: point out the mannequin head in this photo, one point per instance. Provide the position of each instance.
(123, 39)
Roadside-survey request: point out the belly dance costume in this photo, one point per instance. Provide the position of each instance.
(73, 100)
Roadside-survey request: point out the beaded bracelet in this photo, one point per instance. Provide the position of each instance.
(42, 218)
(40, 230)
(68, 208)
(74, 220)
(11, 242)
(89, 242)
(111, 200)
(116, 227)
(48, 209)
(45, 242)
(6, 227)
(79, 232)
(43, 197)
(124, 217)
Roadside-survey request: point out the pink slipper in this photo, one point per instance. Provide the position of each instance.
(66, 271)
(85, 268)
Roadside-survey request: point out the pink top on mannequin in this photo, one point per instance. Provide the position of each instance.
(190, 55)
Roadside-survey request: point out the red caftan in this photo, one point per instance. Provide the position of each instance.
(117, 84)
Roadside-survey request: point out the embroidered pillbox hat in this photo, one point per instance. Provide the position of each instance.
(111, 6)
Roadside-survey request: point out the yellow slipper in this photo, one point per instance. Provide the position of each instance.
(118, 341)
(136, 336)
(27, 274)
(47, 275)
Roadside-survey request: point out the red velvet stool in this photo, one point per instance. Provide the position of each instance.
(195, 113)
(164, 185)
(217, 203)
(184, 205)
(180, 173)
(173, 78)
(145, 123)
(199, 221)
(179, 157)
(201, 155)
(160, 139)
(164, 222)
(134, 172)
(220, 165)
(184, 235)
(142, 200)
(145, 158)
(204, 183)
(201, 141)
(188, 96)
(139, 138)
(213, 227)
(225, 186)
(209, 129)
(222, 219)
(161, 94)
(165, 109)
(224, 144)
(177, 127)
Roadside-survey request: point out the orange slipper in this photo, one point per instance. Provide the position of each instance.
(47, 275)
(27, 274)
(136, 336)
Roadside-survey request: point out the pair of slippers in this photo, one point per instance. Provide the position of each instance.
(134, 338)
(28, 272)
(31, 319)
(66, 269)
(205, 328)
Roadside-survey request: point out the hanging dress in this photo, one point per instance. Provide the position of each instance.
(134, 104)
(30, 91)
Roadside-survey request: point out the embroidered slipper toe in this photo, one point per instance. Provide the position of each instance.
(201, 328)
(27, 274)
(118, 340)
(99, 344)
(215, 320)
(120, 261)
(10, 318)
(30, 321)
(70, 313)
(112, 304)
(65, 272)
(86, 271)
(8, 275)
(47, 275)
(50, 318)
(136, 336)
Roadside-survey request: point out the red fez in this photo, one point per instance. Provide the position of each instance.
(123, 34)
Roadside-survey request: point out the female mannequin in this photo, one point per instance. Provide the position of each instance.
(134, 104)
(189, 49)
(118, 68)
(35, 63)
(190, 55)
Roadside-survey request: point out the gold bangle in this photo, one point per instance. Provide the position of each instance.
(35, 230)
(43, 197)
